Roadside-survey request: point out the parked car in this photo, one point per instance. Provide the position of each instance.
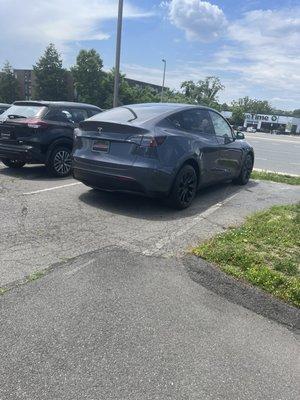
(3, 107)
(251, 129)
(279, 132)
(41, 132)
(160, 150)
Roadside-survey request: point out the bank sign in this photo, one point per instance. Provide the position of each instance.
(261, 117)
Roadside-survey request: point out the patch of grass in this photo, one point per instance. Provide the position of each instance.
(35, 275)
(272, 176)
(2, 290)
(265, 251)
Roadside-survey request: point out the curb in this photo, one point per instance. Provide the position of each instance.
(274, 172)
(241, 293)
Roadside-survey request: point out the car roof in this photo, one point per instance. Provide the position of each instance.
(5, 105)
(55, 104)
(165, 107)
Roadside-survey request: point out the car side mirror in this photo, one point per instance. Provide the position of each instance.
(239, 136)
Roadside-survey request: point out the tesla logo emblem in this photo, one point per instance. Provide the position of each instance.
(100, 129)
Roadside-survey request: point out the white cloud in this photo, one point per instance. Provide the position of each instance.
(200, 20)
(266, 50)
(32, 24)
(260, 53)
(261, 59)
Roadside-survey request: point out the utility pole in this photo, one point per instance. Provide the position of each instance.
(164, 78)
(118, 54)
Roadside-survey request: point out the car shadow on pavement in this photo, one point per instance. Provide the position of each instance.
(155, 209)
(29, 172)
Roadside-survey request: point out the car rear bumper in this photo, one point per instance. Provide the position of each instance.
(20, 152)
(133, 178)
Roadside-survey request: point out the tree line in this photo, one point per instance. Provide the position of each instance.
(95, 86)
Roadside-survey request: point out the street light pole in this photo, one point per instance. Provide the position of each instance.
(164, 78)
(118, 54)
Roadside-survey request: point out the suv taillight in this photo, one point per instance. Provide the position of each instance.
(147, 146)
(152, 141)
(36, 123)
(147, 141)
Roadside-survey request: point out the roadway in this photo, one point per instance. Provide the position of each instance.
(276, 153)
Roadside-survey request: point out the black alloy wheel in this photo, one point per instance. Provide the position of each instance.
(246, 170)
(184, 188)
(60, 162)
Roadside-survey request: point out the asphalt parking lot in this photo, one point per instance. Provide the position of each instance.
(278, 153)
(46, 220)
(117, 325)
(118, 316)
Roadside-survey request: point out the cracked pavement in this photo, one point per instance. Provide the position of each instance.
(40, 229)
(119, 315)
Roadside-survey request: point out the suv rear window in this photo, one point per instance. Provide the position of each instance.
(120, 114)
(24, 111)
(130, 113)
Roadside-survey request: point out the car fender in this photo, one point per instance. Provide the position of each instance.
(195, 158)
(62, 141)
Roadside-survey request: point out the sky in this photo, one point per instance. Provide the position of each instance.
(253, 46)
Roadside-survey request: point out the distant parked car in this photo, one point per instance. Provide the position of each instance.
(277, 132)
(251, 129)
(41, 132)
(3, 107)
(160, 150)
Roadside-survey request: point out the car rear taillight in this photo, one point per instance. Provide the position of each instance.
(147, 146)
(152, 141)
(36, 123)
(147, 141)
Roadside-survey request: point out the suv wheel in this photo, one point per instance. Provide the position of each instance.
(13, 163)
(184, 188)
(245, 173)
(60, 162)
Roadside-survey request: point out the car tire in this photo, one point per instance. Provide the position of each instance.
(184, 188)
(245, 173)
(60, 162)
(13, 163)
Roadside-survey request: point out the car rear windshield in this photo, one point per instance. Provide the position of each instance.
(129, 114)
(25, 111)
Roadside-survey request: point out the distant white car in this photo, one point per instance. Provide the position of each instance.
(251, 129)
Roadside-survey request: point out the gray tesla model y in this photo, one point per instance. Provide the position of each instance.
(161, 150)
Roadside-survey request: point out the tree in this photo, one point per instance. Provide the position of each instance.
(246, 105)
(51, 83)
(87, 75)
(9, 86)
(128, 94)
(204, 92)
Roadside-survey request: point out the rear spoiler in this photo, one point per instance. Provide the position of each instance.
(114, 127)
(30, 103)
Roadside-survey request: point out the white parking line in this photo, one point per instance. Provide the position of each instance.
(170, 237)
(53, 188)
(262, 159)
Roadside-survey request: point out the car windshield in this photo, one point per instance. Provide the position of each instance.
(22, 111)
(129, 114)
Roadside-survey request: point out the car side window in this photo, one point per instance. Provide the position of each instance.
(78, 114)
(196, 121)
(59, 115)
(93, 112)
(222, 129)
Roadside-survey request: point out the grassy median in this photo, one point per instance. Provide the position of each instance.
(265, 251)
(272, 176)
